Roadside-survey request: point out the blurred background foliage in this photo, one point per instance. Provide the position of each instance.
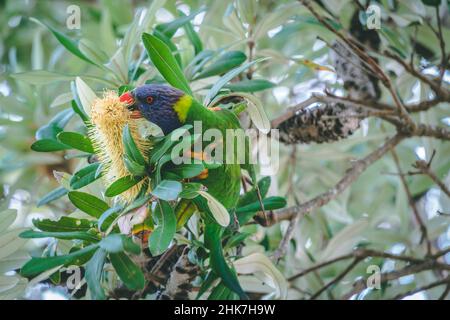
(35, 85)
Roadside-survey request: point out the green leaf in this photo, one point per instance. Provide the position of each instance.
(258, 263)
(108, 217)
(252, 196)
(48, 145)
(71, 235)
(77, 107)
(164, 232)
(55, 126)
(218, 211)
(190, 190)
(64, 224)
(115, 243)
(131, 149)
(93, 275)
(206, 284)
(38, 265)
(167, 190)
(220, 292)
(250, 85)
(52, 195)
(164, 145)
(76, 140)
(223, 63)
(184, 211)
(121, 185)
(213, 236)
(270, 203)
(192, 35)
(88, 203)
(164, 61)
(128, 271)
(226, 78)
(170, 28)
(187, 171)
(68, 43)
(41, 77)
(168, 42)
(85, 94)
(133, 167)
(85, 176)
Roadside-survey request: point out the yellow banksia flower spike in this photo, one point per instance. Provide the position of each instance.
(108, 118)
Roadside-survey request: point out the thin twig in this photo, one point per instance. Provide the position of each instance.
(412, 203)
(358, 167)
(337, 279)
(424, 288)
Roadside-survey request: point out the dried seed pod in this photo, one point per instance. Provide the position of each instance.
(323, 123)
(358, 81)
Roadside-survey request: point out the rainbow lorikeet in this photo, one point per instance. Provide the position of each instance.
(170, 108)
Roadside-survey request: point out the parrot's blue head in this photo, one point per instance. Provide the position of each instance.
(163, 105)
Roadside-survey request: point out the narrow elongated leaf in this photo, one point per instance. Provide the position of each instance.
(133, 167)
(187, 171)
(223, 63)
(85, 176)
(170, 28)
(190, 190)
(88, 203)
(38, 265)
(93, 275)
(52, 195)
(77, 107)
(48, 145)
(108, 217)
(115, 243)
(217, 209)
(164, 61)
(55, 126)
(165, 229)
(76, 141)
(68, 43)
(250, 85)
(256, 112)
(192, 35)
(184, 211)
(259, 264)
(71, 235)
(270, 203)
(252, 196)
(162, 147)
(226, 78)
(121, 185)
(131, 149)
(64, 224)
(85, 94)
(213, 236)
(128, 271)
(41, 77)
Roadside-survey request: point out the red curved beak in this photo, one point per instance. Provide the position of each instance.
(129, 100)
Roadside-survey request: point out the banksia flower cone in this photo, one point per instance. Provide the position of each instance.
(108, 118)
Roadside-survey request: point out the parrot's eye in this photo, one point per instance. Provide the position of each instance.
(149, 99)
